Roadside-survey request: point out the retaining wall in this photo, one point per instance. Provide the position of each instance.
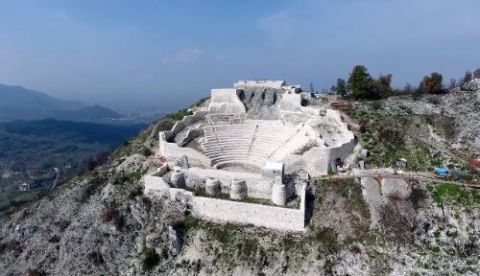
(173, 151)
(224, 211)
(155, 185)
(187, 120)
(227, 211)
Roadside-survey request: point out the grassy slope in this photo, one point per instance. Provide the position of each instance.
(389, 137)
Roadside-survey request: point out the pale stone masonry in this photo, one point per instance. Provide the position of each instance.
(218, 162)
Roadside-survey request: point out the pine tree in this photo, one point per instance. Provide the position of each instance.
(359, 82)
(341, 88)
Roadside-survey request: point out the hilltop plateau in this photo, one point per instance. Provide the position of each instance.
(101, 223)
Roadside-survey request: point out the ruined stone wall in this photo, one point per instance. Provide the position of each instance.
(256, 185)
(155, 185)
(316, 160)
(172, 151)
(341, 151)
(226, 211)
(276, 84)
(188, 120)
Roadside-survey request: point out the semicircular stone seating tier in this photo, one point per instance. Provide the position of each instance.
(251, 142)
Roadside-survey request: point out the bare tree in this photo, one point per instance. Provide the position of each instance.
(453, 84)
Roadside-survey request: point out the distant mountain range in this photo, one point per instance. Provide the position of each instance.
(19, 103)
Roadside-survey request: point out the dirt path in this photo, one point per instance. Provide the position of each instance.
(380, 173)
(372, 195)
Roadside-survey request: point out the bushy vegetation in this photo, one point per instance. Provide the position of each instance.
(96, 257)
(145, 151)
(113, 215)
(200, 102)
(178, 115)
(347, 189)
(432, 84)
(150, 259)
(92, 186)
(341, 88)
(362, 86)
(326, 240)
(187, 223)
(390, 137)
(446, 193)
(235, 243)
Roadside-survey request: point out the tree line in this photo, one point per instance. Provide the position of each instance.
(361, 85)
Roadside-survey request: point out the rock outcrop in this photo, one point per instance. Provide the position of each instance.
(463, 107)
(472, 85)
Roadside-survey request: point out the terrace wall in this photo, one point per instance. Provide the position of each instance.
(227, 211)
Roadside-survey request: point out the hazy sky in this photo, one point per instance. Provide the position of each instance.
(168, 53)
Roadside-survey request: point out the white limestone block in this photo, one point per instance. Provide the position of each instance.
(226, 101)
(177, 178)
(272, 170)
(275, 84)
(279, 196)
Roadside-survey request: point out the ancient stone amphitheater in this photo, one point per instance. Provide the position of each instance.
(246, 157)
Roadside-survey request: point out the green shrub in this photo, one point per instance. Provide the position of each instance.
(449, 192)
(111, 214)
(150, 258)
(90, 188)
(145, 151)
(247, 246)
(327, 240)
(220, 234)
(96, 257)
(178, 115)
(138, 191)
(189, 222)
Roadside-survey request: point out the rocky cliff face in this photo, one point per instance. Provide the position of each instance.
(101, 224)
(462, 106)
(261, 103)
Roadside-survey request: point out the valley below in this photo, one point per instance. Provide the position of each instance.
(36, 156)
